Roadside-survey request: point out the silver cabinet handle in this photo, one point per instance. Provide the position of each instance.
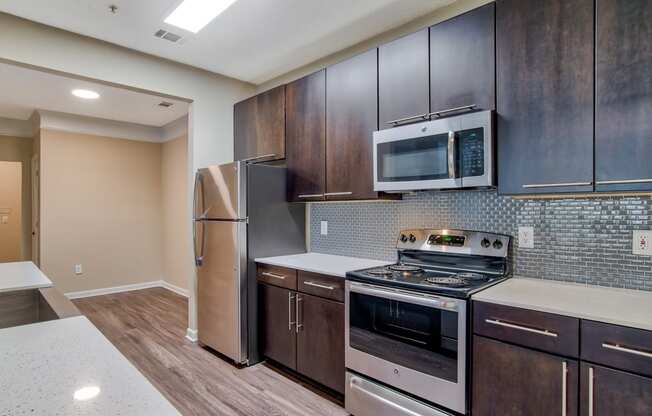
(337, 193)
(617, 347)
(290, 321)
(555, 185)
(402, 120)
(310, 196)
(313, 284)
(522, 328)
(298, 325)
(591, 392)
(251, 159)
(451, 110)
(564, 387)
(275, 276)
(623, 181)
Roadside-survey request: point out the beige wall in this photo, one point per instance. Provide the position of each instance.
(177, 261)
(10, 211)
(100, 207)
(19, 149)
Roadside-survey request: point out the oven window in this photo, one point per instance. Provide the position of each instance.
(419, 159)
(413, 336)
(472, 152)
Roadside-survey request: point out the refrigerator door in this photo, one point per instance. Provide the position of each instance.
(221, 287)
(220, 192)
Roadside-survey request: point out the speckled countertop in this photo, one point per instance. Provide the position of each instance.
(20, 276)
(322, 263)
(67, 367)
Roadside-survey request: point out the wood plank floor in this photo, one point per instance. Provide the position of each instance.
(148, 327)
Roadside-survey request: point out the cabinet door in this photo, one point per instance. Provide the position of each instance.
(403, 79)
(306, 137)
(463, 61)
(623, 119)
(351, 119)
(545, 53)
(320, 343)
(510, 381)
(607, 392)
(277, 324)
(259, 126)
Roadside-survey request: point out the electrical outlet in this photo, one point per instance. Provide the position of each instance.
(78, 269)
(642, 242)
(324, 228)
(526, 237)
(4, 219)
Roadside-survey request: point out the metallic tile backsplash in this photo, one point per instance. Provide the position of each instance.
(583, 240)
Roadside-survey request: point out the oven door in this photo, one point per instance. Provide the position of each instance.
(412, 341)
(417, 156)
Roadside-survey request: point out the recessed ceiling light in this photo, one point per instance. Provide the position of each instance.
(86, 393)
(86, 94)
(193, 15)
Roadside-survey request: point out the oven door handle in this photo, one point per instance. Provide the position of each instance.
(404, 296)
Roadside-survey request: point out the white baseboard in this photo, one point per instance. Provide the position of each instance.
(127, 288)
(191, 335)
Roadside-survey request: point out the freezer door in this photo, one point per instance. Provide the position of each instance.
(221, 287)
(220, 192)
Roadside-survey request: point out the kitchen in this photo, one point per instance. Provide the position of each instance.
(451, 218)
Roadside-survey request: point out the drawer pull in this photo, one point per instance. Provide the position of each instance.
(338, 193)
(275, 276)
(313, 284)
(311, 196)
(564, 387)
(522, 328)
(557, 185)
(624, 181)
(619, 348)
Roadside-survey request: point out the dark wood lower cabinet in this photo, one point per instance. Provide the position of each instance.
(515, 381)
(607, 392)
(278, 336)
(320, 342)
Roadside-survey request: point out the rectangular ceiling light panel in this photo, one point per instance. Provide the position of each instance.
(193, 15)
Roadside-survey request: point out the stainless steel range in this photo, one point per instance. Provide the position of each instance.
(407, 323)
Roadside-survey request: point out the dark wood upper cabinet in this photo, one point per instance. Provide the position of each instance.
(463, 61)
(623, 119)
(320, 342)
(259, 126)
(305, 101)
(511, 380)
(403, 78)
(612, 392)
(351, 119)
(545, 67)
(278, 339)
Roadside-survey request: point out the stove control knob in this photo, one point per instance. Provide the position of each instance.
(485, 243)
(498, 244)
(404, 238)
(412, 238)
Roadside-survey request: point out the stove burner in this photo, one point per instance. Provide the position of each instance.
(471, 276)
(380, 272)
(405, 268)
(447, 281)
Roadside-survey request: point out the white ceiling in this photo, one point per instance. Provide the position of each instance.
(24, 90)
(253, 40)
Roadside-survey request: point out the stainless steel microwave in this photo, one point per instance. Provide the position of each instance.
(453, 152)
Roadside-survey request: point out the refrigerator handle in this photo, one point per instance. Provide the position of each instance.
(198, 195)
(199, 254)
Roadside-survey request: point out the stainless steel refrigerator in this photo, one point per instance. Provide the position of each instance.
(240, 213)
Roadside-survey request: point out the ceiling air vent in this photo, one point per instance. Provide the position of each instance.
(164, 34)
(165, 104)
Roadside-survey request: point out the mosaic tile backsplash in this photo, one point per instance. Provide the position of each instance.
(583, 240)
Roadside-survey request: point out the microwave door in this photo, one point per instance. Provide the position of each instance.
(476, 149)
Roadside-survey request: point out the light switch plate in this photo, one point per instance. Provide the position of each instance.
(78, 269)
(526, 237)
(642, 242)
(4, 219)
(324, 228)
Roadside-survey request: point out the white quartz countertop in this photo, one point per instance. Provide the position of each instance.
(20, 276)
(322, 263)
(630, 308)
(49, 367)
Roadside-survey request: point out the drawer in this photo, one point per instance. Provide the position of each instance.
(277, 276)
(329, 287)
(544, 331)
(617, 346)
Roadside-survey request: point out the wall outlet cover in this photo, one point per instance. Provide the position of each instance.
(78, 269)
(526, 237)
(642, 242)
(324, 228)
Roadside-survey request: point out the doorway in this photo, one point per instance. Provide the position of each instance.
(11, 204)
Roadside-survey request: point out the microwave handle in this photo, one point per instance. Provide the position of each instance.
(452, 155)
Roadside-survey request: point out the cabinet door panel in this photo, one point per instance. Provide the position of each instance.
(623, 135)
(545, 66)
(306, 137)
(463, 61)
(276, 320)
(607, 392)
(320, 343)
(403, 79)
(515, 381)
(351, 119)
